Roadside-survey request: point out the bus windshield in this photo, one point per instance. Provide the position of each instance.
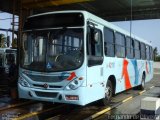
(58, 49)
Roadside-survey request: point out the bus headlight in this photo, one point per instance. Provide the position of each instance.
(23, 82)
(74, 84)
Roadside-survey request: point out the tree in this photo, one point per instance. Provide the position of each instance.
(155, 53)
(3, 41)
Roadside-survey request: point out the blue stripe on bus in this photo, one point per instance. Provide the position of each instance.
(134, 62)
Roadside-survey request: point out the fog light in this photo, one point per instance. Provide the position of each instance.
(71, 86)
(29, 93)
(23, 82)
(76, 82)
(71, 97)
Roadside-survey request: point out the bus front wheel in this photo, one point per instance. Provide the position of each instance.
(108, 93)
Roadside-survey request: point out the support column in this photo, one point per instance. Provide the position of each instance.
(13, 19)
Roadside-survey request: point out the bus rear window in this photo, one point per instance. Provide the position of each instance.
(54, 20)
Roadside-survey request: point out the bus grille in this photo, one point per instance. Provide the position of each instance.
(39, 78)
(46, 94)
(50, 86)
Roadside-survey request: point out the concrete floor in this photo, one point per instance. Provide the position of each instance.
(132, 107)
(156, 65)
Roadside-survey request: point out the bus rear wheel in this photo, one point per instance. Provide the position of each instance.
(142, 86)
(108, 93)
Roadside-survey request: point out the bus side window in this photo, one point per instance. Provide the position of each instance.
(137, 49)
(94, 47)
(109, 42)
(151, 53)
(143, 51)
(120, 45)
(147, 53)
(130, 47)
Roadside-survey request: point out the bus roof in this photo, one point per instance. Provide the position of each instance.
(92, 17)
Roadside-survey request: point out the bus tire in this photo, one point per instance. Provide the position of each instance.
(108, 93)
(142, 86)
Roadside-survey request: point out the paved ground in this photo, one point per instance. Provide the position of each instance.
(132, 107)
(156, 65)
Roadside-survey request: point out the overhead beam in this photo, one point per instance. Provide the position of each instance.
(8, 30)
(115, 10)
(46, 3)
(139, 14)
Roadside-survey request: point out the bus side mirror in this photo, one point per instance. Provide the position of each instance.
(96, 37)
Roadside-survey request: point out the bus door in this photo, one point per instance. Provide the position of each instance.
(94, 54)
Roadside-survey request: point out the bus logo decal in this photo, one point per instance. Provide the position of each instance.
(72, 75)
(45, 85)
(49, 65)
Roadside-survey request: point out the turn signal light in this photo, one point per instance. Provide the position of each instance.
(80, 78)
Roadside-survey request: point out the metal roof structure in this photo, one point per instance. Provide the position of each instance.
(111, 10)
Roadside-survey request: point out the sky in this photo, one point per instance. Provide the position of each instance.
(146, 29)
(6, 24)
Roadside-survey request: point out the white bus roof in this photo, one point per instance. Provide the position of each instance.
(90, 16)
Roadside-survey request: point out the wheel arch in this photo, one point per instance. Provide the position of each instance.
(112, 78)
(144, 73)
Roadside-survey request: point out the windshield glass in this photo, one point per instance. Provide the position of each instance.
(52, 50)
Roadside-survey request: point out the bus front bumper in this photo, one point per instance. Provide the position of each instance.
(60, 96)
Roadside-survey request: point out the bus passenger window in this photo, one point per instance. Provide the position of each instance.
(143, 51)
(130, 47)
(151, 53)
(120, 45)
(137, 49)
(109, 42)
(147, 52)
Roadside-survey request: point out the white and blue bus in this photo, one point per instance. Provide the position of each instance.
(76, 57)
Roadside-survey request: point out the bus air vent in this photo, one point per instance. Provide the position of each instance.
(46, 94)
(41, 78)
(50, 86)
